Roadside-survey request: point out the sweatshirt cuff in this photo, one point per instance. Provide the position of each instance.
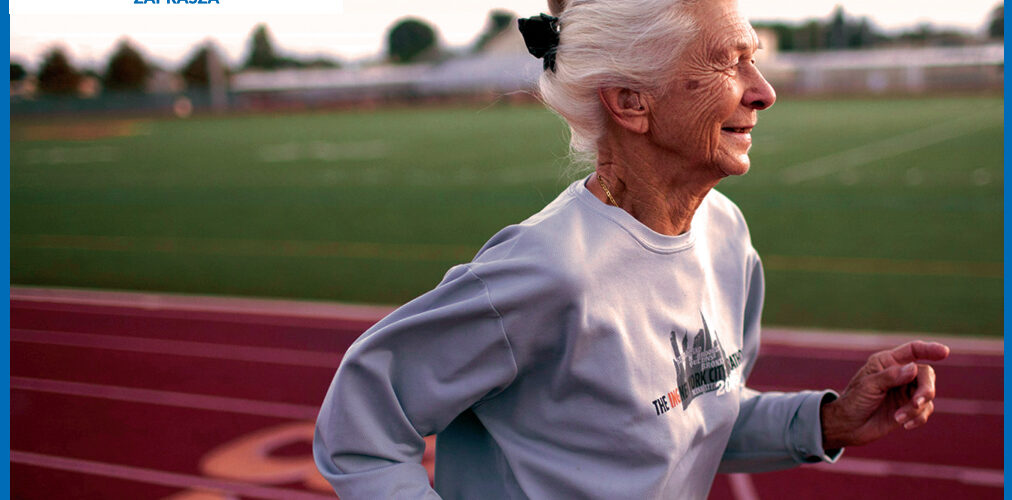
(805, 431)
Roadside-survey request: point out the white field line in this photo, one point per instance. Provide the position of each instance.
(323, 151)
(143, 301)
(880, 468)
(72, 155)
(232, 352)
(883, 267)
(168, 398)
(885, 148)
(161, 478)
(742, 487)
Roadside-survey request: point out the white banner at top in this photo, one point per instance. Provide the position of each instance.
(175, 7)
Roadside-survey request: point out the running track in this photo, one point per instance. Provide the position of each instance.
(141, 396)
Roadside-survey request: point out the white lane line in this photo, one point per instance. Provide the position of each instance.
(871, 467)
(241, 247)
(969, 406)
(203, 303)
(260, 318)
(295, 357)
(953, 406)
(885, 148)
(771, 350)
(168, 398)
(274, 355)
(742, 487)
(875, 341)
(867, 341)
(161, 478)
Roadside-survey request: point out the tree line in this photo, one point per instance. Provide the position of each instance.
(409, 40)
(841, 31)
(128, 70)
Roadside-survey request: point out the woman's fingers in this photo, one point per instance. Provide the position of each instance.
(921, 417)
(922, 397)
(911, 352)
(925, 391)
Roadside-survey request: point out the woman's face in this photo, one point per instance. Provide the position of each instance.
(706, 115)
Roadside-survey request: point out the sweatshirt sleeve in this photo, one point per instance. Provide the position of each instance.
(773, 430)
(408, 377)
(777, 431)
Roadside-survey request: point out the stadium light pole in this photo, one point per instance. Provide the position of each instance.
(216, 81)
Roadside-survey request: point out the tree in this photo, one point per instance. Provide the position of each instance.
(57, 76)
(261, 50)
(810, 36)
(837, 32)
(197, 72)
(996, 24)
(863, 35)
(18, 72)
(411, 40)
(127, 69)
(194, 71)
(498, 20)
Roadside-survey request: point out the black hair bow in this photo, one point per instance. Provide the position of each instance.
(541, 34)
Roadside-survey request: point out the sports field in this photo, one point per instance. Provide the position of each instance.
(878, 214)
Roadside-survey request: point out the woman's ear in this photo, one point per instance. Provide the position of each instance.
(627, 108)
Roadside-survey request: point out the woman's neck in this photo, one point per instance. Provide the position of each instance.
(657, 191)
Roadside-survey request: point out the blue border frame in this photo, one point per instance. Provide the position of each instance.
(1005, 251)
(6, 445)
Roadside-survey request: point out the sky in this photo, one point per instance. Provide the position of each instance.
(357, 32)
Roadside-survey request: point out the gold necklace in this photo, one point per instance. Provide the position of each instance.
(604, 186)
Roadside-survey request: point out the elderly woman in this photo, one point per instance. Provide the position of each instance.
(599, 349)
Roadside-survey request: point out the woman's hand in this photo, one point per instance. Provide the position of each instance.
(891, 390)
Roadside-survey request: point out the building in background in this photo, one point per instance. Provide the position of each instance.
(888, 71)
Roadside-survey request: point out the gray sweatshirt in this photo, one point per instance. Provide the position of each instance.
(579, 355)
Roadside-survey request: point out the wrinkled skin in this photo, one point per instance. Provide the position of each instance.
(892, 389)
(716, 87)
(664, 151)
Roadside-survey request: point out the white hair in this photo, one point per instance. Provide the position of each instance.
(610, 43)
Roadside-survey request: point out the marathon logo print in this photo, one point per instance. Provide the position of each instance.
(670, 400)
(701, 368)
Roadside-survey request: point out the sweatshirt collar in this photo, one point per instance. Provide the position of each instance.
(648, 238)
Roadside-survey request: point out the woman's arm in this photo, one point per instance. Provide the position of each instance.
(407, 377)
(776, 431)
(773, 430)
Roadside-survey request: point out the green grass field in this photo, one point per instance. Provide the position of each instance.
(869, 214)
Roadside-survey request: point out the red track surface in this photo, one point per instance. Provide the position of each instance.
(143, 396)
